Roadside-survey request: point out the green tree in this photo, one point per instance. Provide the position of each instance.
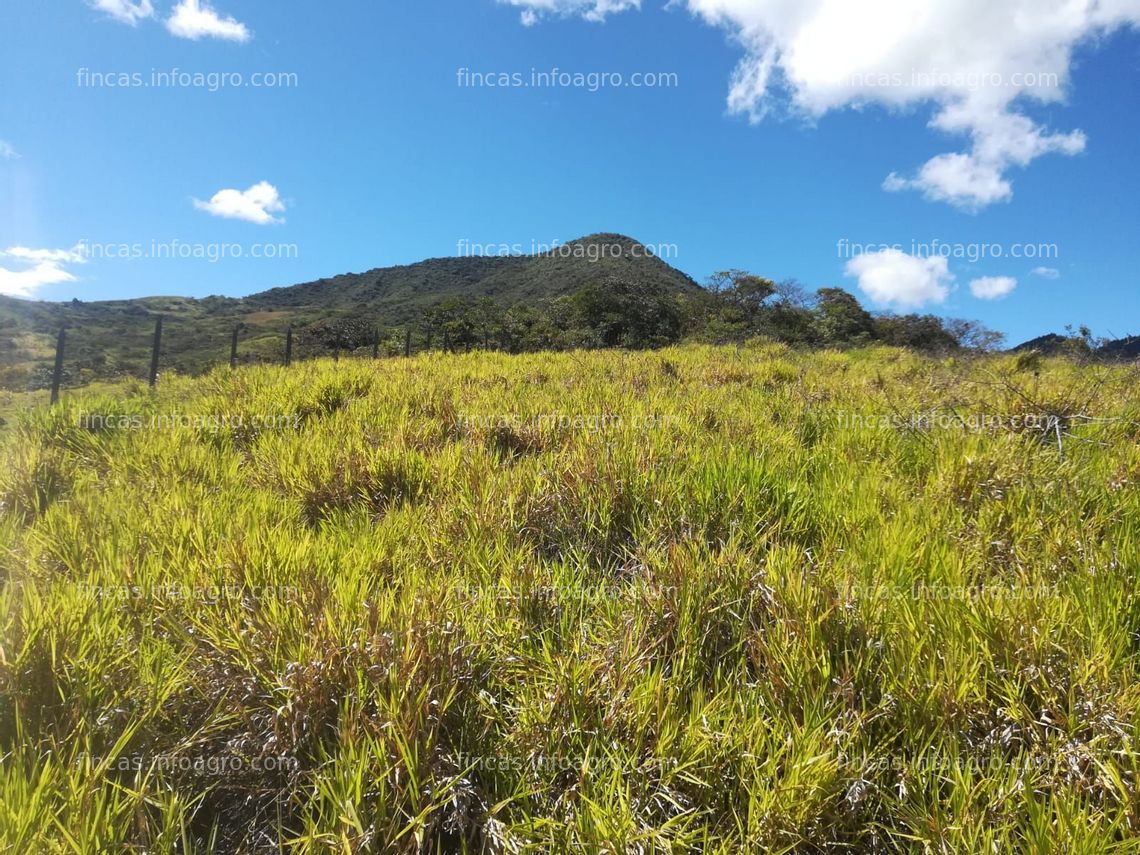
(840, 319)
(922, 332)
(617, 313)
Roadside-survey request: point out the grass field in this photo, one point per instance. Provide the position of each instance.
(698, 600)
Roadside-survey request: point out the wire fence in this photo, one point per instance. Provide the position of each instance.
(143, 353)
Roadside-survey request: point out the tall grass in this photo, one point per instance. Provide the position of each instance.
(602, 602)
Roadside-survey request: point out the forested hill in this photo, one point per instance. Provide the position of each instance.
(402, 293)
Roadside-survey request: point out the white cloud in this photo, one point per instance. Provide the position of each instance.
(36, 268)
(591, 10)
(1046, 272)
(992, 287)
(7, 152)
(196, 19)
(974, 61)
(75, 255)
(960, 179)
(258, 204)
(126, 11)
(975, 180)
(891, 277)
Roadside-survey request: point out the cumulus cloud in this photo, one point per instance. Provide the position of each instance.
(992, 287)
(974, 60)
(258, 204)
(891, 277)
(196, 19)
(1046, 272)
(591, 10)
(7, 152)
(977, 62)
(126, 11)
(960, 179)
(31, 269)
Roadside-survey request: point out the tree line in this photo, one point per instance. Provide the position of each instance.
(615, 313)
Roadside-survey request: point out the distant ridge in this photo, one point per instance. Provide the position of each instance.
(1048, 344)
(1052, 344)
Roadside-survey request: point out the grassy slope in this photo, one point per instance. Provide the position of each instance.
(692, 631)
(112, 339)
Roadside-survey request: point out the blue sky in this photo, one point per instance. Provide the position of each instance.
(778, 132)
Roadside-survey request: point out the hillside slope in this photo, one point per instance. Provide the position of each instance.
(113, 338)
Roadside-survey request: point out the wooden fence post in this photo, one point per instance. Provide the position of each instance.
(407, 342)
(289, 346)
(57, 372)
(155, 351)
(233, 347)
(446, 341)
(376, 343)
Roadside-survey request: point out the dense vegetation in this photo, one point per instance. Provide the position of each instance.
(735, 307)
(702, 599)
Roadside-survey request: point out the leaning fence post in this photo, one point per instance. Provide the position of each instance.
(233, 347)
(289, 346)
(154, 351)
(407, 342)
(57, 372)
